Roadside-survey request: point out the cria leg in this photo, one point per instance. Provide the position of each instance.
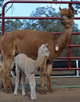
(23, 84)
(31, 78)
(16, 80)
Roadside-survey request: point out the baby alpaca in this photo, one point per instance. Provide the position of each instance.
(27, 67)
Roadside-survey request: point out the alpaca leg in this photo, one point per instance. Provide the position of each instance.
(16, 81)
(10, 84)
(9, 81)
(49, 83)
(42, 78)
(23, 84)
(6, 75)
(4, 80)
(49, 71)
(5, 84)
(31, 78)
(8, 53)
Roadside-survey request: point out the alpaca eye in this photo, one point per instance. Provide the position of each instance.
(69, 16)
(61, 15)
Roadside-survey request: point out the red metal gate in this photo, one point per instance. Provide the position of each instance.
(59, 2)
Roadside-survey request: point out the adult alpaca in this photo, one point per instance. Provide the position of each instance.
(28, 42)
(27, 66)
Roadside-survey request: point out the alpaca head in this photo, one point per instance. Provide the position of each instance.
(67, 16)
(43, 50)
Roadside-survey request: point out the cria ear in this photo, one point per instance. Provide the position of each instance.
(45, 45)
(60, 8)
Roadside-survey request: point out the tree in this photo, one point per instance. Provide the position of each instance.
(44, 24)
(1, 3)
(11, 25)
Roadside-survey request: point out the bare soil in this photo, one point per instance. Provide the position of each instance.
(58, 95)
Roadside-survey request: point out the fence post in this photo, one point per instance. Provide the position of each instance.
(77, 66)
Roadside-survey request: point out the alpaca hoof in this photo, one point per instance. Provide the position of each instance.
(34, 98)
(50, 90)
(42, 91)
(10, 90)
(15, 94)
(6, 91)
(23, 94)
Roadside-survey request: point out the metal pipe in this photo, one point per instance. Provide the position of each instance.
(57, 69)
(69, 48)
(69, 58)
(73, 33)
(16, 17)
(23, 1)
(53, 86)
(77, 66)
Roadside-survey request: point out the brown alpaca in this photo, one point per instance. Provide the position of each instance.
(28, 42)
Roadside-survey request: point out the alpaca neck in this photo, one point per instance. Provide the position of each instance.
(63, 40)
(38, 61)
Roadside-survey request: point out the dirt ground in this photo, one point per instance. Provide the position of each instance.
(60, 94)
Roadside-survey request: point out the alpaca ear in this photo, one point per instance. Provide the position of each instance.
(60, 8)
(71, 8)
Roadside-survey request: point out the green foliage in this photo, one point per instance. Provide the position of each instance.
(11, 25)
(1, 3)
(44, 24)
(77, 8)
